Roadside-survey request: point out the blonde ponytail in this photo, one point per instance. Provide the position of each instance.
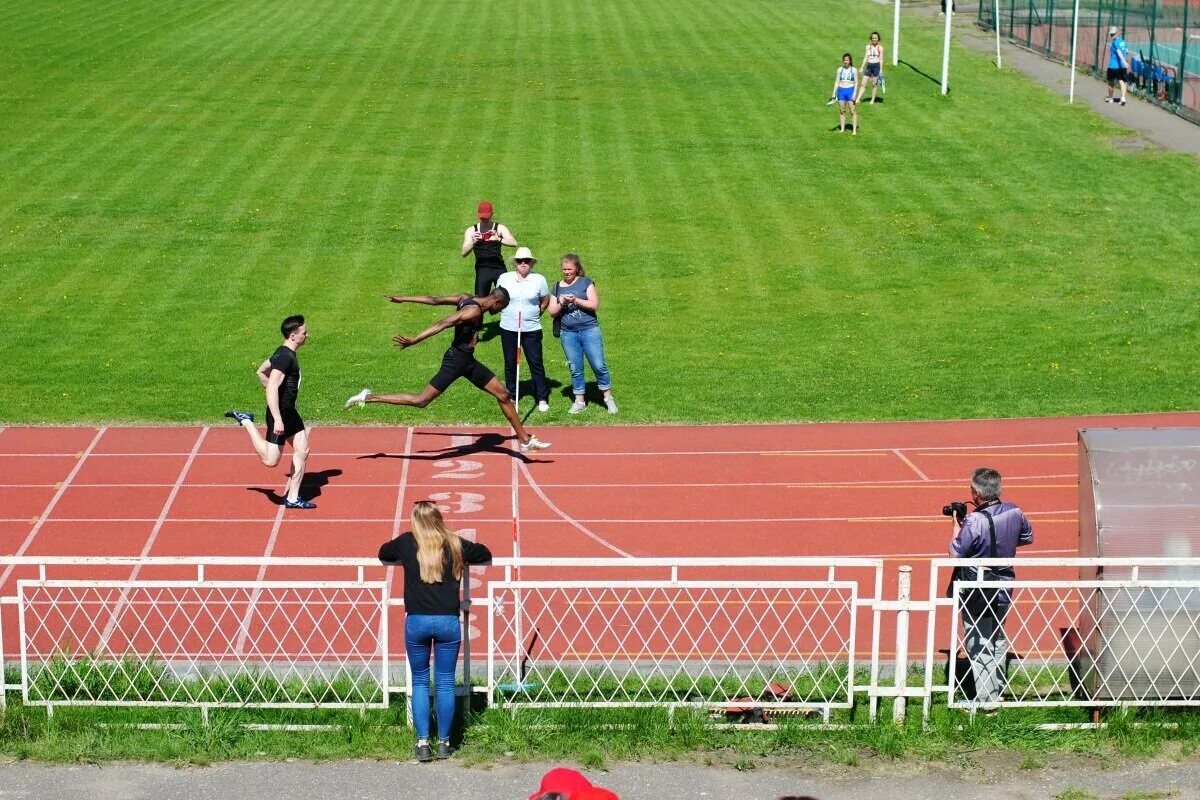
(433, 540)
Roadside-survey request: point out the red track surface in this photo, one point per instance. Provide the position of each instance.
(761, 490)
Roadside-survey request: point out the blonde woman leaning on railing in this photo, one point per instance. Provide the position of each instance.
(433, 559)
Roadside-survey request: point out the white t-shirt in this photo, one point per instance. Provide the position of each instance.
(524, 296)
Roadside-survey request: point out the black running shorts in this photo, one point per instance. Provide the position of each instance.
(292, 424)
(459, 363)
(1115, 74)
(485, 280)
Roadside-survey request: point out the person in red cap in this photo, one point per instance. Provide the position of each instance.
(562, 783)
(485, 238)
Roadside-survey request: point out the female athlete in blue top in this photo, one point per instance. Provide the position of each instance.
(843, 89)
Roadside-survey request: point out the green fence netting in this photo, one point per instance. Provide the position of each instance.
(1163, 38)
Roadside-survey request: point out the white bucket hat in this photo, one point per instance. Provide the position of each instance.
(523, 253)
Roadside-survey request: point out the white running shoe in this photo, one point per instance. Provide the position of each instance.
(543, 406)
(576, 408)
(611, 405)
(358, 399)
(534, 443)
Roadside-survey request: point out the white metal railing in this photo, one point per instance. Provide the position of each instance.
(725, 644)
(159, 631)
(798, 633)
(1076, 632)
(210, 644)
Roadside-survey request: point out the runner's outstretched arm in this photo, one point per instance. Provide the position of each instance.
(428, 299)
(470, 312)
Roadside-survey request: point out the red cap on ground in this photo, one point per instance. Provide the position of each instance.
(563, 781)
(485, 210)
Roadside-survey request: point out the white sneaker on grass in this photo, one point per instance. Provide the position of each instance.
(576, 408)
(543, 406)
(534, 443)
(611, 405)
(358, 399)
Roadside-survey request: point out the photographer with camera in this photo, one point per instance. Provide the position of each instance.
(484, 239)
(993, 530)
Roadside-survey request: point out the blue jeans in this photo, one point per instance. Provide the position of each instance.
(442, 634)
(586, 343)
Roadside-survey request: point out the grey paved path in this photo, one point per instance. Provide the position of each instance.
(1156, 124)
(364, 780)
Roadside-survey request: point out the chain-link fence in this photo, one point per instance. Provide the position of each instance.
(1163, 38)
(777, 645)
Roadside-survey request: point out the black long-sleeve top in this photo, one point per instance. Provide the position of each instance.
(429, 598)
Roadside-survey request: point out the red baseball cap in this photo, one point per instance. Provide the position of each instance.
(594, 793)
(484, 210)
(571, 783)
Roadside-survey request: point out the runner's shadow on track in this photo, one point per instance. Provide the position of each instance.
(487, 443)
(310, 486)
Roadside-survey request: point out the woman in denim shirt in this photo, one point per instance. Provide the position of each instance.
(574, 302)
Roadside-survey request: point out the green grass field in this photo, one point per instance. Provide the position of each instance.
(178, 177)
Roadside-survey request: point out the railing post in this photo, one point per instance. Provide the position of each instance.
(904, 594)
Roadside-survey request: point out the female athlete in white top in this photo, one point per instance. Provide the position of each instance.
(843, 90)
(872, 67)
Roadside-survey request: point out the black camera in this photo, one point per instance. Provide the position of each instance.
(956, 510)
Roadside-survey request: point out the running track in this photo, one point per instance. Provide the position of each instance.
(855, 489)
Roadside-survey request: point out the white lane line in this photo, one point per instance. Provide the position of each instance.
(914, 467)
(901, 483)
(943, 554)
(621, 453)
(62, 489)
(398, 515)
(467, 520)
(268, 551)
(568, 519)
(123, 601)
(252, 604)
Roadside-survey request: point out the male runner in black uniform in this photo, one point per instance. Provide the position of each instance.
(484, 239)
(280, 377)
(459, 361)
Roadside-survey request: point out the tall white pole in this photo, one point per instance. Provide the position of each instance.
(996, 21)
(896, 35)
(1074, 42)
(946, 49)
(903, 595)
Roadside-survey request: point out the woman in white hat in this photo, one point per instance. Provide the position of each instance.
(529, 295)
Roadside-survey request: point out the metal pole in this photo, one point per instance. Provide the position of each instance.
(1154, 89)
(896, 35)
(946, 49)
(1182, 59)
(904, 594)
(1074, 41)
(1050, 30)
(996, 21)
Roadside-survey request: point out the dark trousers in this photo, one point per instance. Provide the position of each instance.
(531, 344)
(485, 280)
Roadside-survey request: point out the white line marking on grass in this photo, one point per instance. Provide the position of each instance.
(62, 489)
(123, 601)
(568, 519)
